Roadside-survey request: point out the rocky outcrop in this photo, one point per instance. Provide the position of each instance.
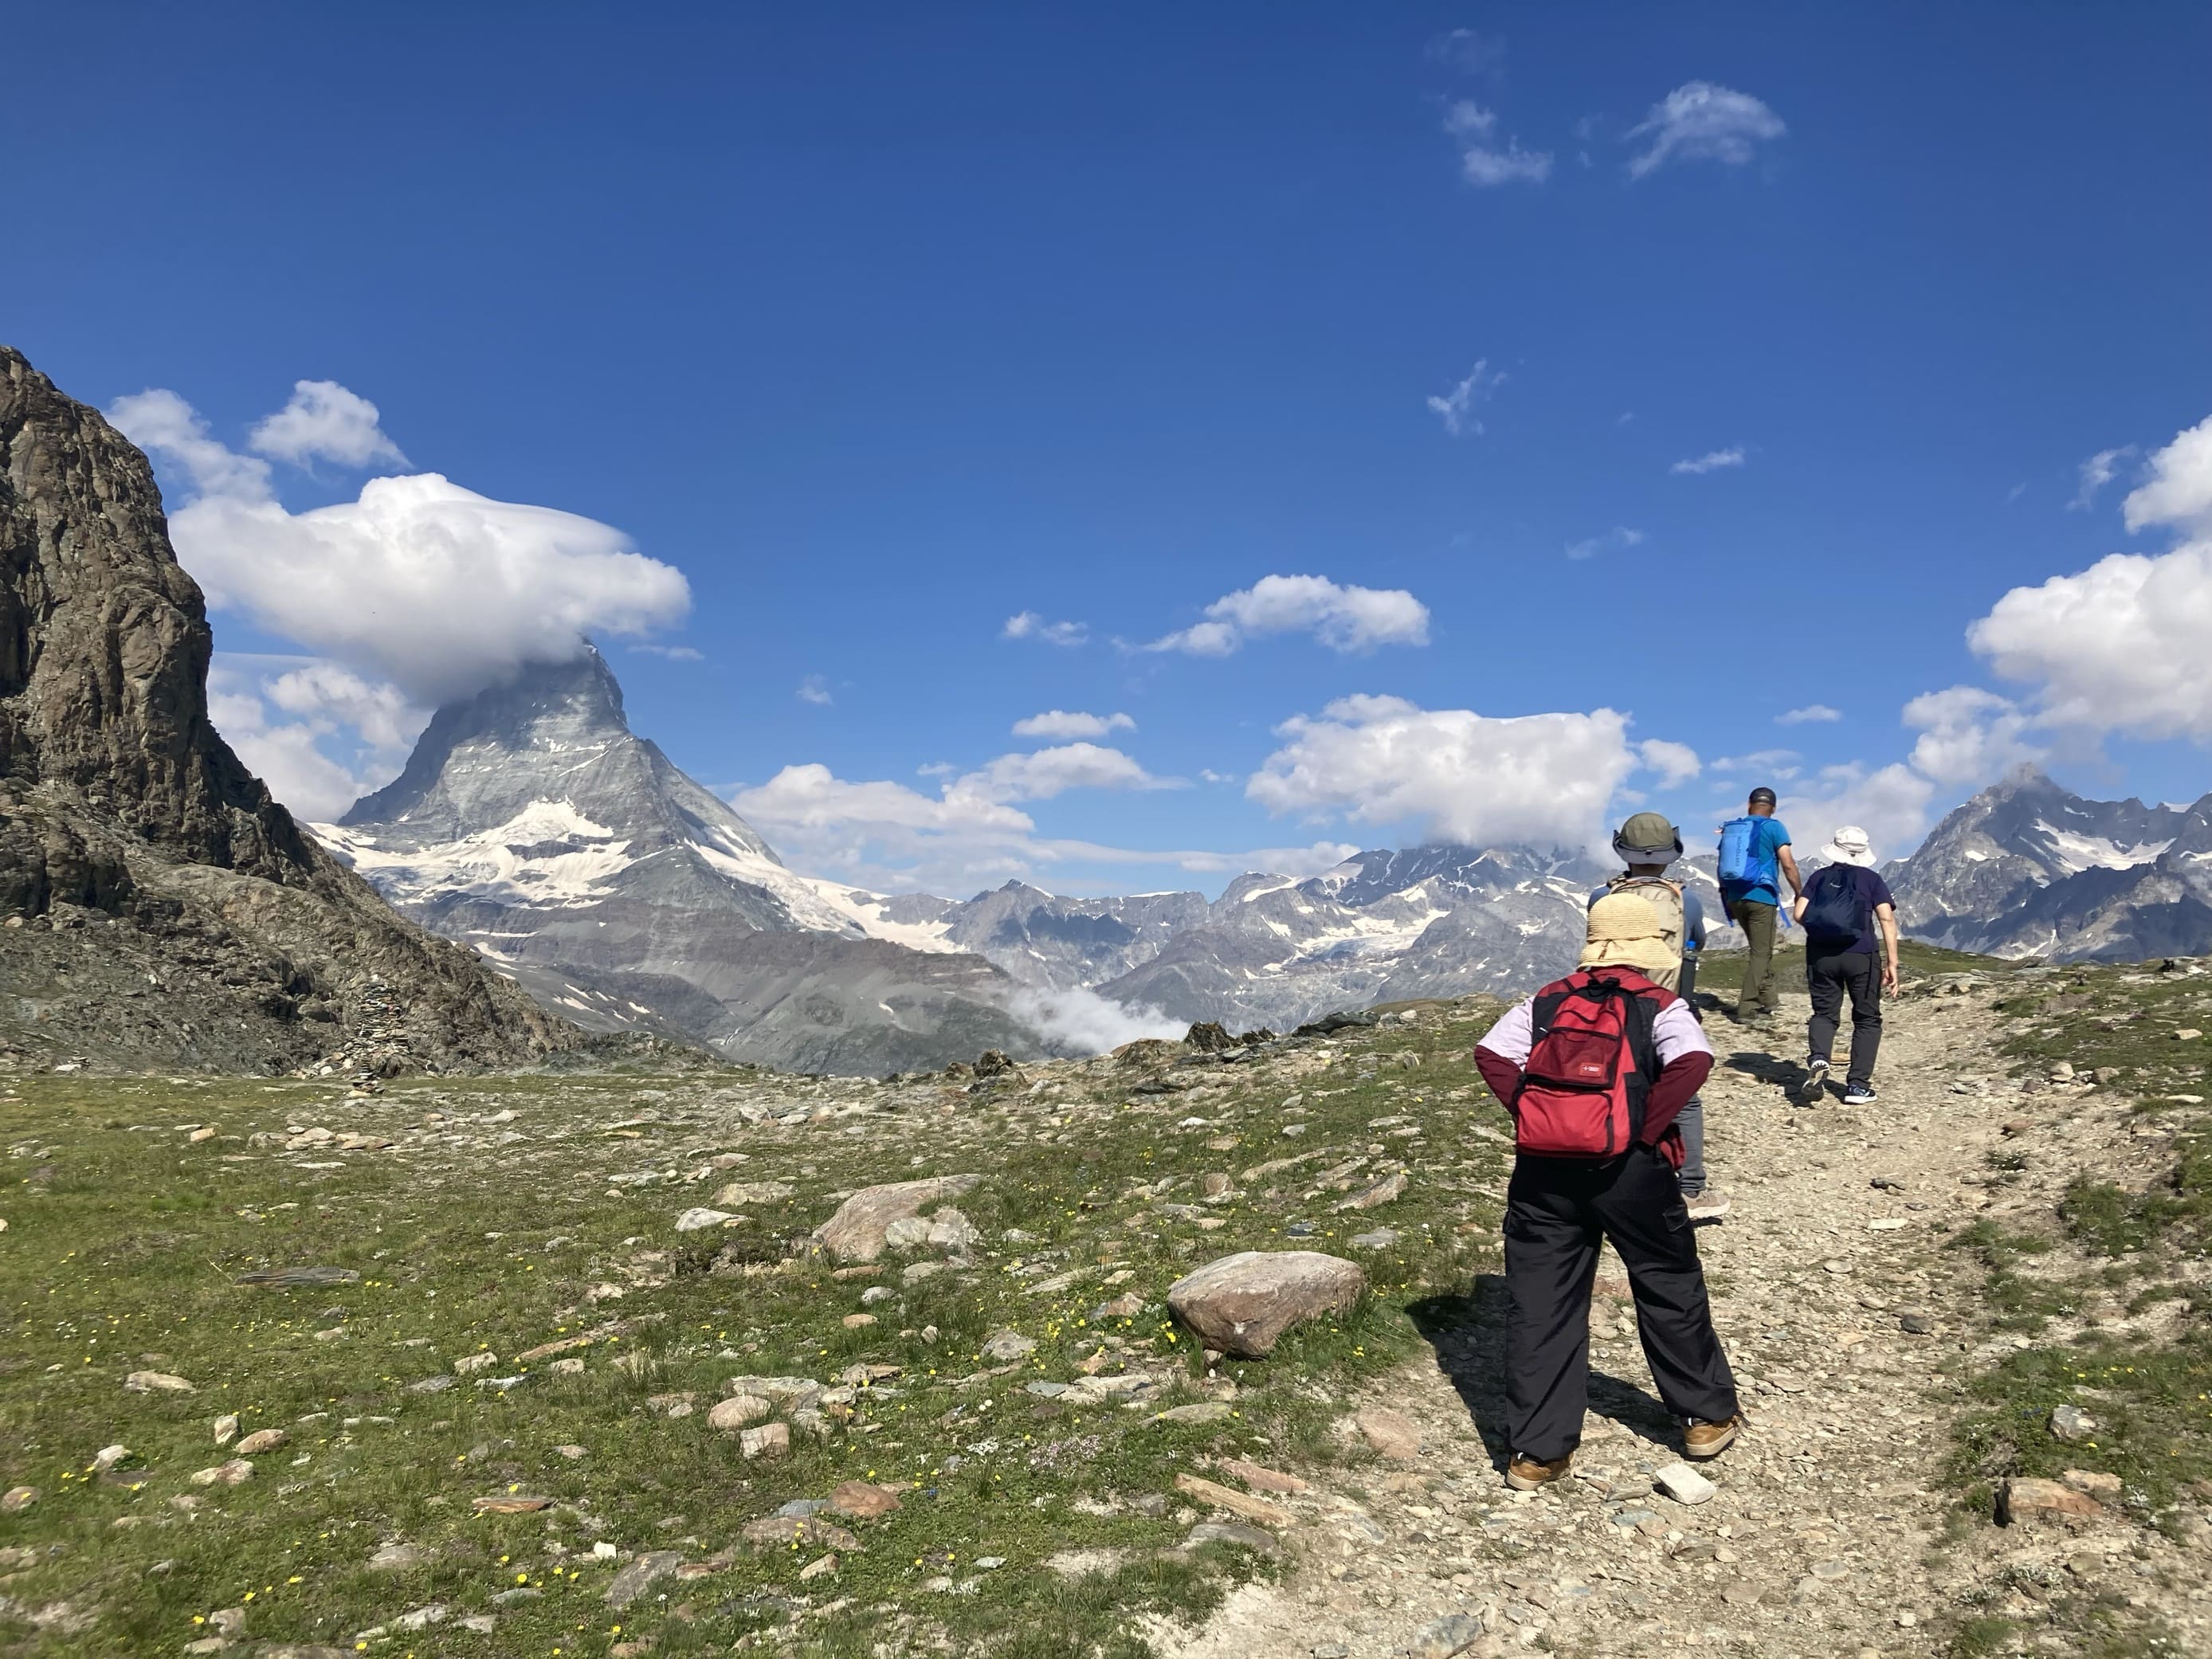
(160, 908)
(857, 1232)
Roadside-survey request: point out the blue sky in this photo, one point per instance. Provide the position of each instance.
(886, 326)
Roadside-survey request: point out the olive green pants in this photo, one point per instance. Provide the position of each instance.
(1760, 992)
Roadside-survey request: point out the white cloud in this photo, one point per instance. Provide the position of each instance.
(434, 587)
(1711, 461)
(1968, 735)
(1088, 1022)
(2177, 489)
(1028, 625)
(1811, 714)
(1890, 803)
(815, 689)
(671, 653)
(318, 734)
(325, 421)
(2096, 471)
(1344, 618)
(1544, 780)
(1466, 50)
(1067, 723)
(1619, 536)
(1775, 762)
(1481, 162)
(1675, 763)
(1701, 122)
(1455, 408)
(1041, 774)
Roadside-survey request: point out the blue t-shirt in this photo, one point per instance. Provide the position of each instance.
(1768, 838)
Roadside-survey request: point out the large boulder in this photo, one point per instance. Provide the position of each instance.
(1242, 1304)
(856, 1232)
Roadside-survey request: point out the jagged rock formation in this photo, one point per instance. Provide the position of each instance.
(534, 824)
(160, 908)
(1043, 938)
(2025, 868)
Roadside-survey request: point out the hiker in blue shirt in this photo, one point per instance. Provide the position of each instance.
(1755, 858)
(1647, 844)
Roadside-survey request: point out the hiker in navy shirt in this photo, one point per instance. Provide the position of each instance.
(1842, 908)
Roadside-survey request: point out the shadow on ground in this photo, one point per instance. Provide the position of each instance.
(1467, 1335)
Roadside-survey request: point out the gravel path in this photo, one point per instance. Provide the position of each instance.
(1841, 1319)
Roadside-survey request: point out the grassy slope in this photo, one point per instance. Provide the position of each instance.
(125, 1240)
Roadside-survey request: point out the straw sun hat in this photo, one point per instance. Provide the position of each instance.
(1624, 930)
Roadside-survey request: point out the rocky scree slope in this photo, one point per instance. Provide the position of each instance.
(160, 909)
(2025, 868)
(533, 823)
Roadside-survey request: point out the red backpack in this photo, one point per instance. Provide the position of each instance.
(1592, 1061)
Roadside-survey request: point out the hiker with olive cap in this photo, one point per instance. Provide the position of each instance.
(1841, 909)
(1754, 857)
(1647, 844)
(1595, 1069)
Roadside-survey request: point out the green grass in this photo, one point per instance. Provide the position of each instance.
(124, 1244)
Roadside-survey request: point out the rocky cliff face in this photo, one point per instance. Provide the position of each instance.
(532, 823)
(2026, 868)
(160, 908)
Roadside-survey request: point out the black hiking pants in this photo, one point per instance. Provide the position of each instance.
(1828, 978)
(1557, 1211)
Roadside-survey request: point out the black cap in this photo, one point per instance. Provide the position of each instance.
(1762, 793)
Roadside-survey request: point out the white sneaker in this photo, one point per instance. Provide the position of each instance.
(1707, 1206)
(1815, 1083)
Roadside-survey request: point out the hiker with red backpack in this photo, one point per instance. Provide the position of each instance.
(1754, 857)
(1648, 843)
(1841, 909)
(1594, 1068)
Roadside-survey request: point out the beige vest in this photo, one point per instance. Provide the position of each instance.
(1665, 897)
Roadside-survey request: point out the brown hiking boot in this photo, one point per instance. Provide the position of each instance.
(1526, 1474)
(1702, 1440)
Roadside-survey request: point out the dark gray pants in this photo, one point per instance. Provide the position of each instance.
(1829, 978)
(1557, 1210)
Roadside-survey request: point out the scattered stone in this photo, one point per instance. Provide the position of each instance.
(300, 1278)
(16, 1499)
(738, 1411)
(920, 1271)
(862, 1500)
(858, 1321)
(1231, 1532)
(470, 1363)
(1209, 1411)
(699, 1217)
(779, 1532)
(1237, 1503)
(2187, 1034)
(398, 1558)
(108, 1456)
(431, 1385)
(2094, 1482)
(1242, 1304)
(674, 1405)
(262, 1440)
(234, 1473)
(822, 1566)
(1683, 1484)
(739, 1193)
(2015, 1127)
(225, 1428)
(1127, 1305)
(1008, 1344)
(631, 1582)
(1391, 1433)
(767, 1440)
(1381, 1239)
(855, 1231)
(2023, 1499)
(1380, 1193)
(2071, 1424)
(510, 1504)
(876, 1295)
(157, 1383)
(1262, 1479)
(1455, 1632)
(1916, 1324)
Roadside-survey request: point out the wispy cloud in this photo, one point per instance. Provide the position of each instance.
(1701, 122)
(1811, 714)
(1675, 763)
(672, 652)
(1028, 625)
(1455, 408)
(815, 689)
(2099, 470)
(1466, 50)
(1620, 536)
(1711, 461)
(1481, 162)
(1343, 617)
(1072, 723)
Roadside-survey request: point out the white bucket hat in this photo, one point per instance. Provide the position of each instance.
(1849, 846)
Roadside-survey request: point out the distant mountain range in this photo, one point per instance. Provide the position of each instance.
(2025, 868)
(533, 824)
